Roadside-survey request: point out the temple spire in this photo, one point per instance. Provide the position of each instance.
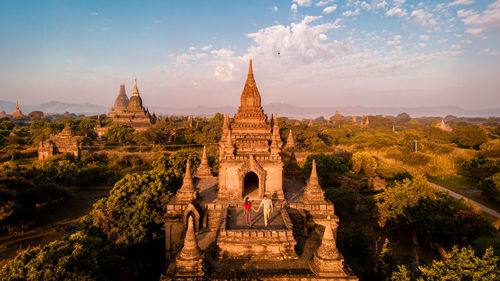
(187, 192)
(189, 262)
(17, 105)
(250, 70)
(289, 140)
(250, 97)
(190, 248)
(327, 261)
(135, 92)
(187, 182)
(203, 170)
(313, 191)
(313, 179)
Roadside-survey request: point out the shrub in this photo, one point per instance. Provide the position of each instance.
(329, 168)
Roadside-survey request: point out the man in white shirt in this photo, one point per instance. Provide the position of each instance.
(268, 208)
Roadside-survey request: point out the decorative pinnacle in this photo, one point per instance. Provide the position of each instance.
(188, 170)
(135, 92)
(250, 70)
(313, 179)
(190, 250)
(328, 235)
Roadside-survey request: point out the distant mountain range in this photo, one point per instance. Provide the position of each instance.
(279, 108)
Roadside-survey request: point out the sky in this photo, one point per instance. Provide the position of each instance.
(314, 53)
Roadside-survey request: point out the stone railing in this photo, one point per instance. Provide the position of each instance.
(286, 219)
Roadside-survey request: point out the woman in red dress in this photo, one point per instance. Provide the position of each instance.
(248, 211)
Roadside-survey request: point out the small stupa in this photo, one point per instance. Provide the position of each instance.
(187, 192)
(189, 262)
(290, 143)
(203, 170)
(292, 168)
(327, 261)
(313, 191)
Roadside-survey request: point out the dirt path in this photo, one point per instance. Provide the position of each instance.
(455, 195)
(53, 222)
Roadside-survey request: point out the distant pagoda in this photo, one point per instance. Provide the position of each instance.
(131, 112)
(17, 114)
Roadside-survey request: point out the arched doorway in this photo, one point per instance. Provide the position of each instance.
(251, 185)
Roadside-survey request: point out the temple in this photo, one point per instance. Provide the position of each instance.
(64, 142)
(17, 114)
(296, 243)
(131, 112)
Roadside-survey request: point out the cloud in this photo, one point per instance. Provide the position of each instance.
(294, 8)
(424, 37)
(329, 9)
(157, 21)
(94, 13)
(378, 4)
(460, 2)
(443, 40)
(475, 31)
(207, 47)
(192, 49)
(301, 42)
(351, 13)
(301, 3)
(275, 8)
(222, 53)
(184, 58)
(423, 18)
(395, 41)
(490, 18)
(489, 52)
(396, 11)
(323, 3)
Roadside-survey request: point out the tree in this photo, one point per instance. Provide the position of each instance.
(407, 142)
(78, 257)
(491, 148)
(41, 130)
(344, 199)
(329, 168)
(6, 125)
(413, 205)
(490, 187)
(402, 274)
(471, 136)
(119, 133)
(462, 264)
(35, 115)
(403, 117)
(134, 211)
(160, 133)
(364, 162)
(384, 261)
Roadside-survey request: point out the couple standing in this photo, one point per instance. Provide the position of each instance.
(267, 205)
